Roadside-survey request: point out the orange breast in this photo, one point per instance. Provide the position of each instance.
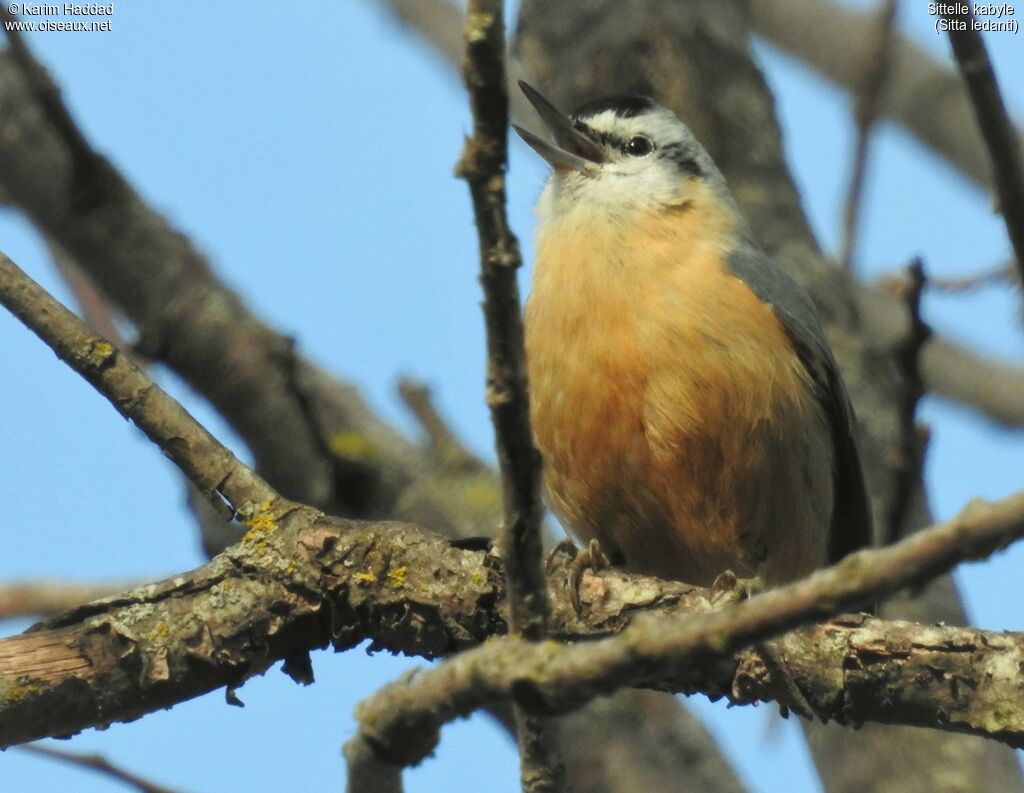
(677, 425)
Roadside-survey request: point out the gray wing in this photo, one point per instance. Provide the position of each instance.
(851, 519)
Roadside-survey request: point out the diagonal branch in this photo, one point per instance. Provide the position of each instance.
(207, 464)
(96, 762)
(1001, 138)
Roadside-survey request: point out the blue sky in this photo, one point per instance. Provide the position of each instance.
(308, 153)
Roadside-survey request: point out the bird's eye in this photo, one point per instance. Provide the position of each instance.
(639, 146)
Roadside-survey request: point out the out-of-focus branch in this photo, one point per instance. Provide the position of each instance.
(101, 764)
(482, 164)
(948, 369)
(924, 96)
(993, 276)
(86, 161)
(875, 65)
(43, 598)
(445, 447)
(1001, 139)
(276, 400)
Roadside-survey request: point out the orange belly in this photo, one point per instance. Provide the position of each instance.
(677, 425)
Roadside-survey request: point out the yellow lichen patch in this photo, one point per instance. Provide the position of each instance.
(478, 24)
(353, 445)
(21, 691)
(160, 631)
(396, 576)
(258, 519)
(96, 353)
(365, 579)
(261, 522)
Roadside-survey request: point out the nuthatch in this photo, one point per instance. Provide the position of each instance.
(687, 405)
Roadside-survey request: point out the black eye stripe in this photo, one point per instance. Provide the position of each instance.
(683, 157)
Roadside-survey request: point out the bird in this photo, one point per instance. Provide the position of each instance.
(688, 408)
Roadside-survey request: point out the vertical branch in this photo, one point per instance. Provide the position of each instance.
(1000, 139)
(875, 71)
(482, 165)
(907, 459)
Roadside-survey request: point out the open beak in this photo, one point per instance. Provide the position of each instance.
(572, 150)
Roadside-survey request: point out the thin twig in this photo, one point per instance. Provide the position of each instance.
(908, 456)
(994, 276)
(482, 164)
(554, 678)
(444, 445)
(96, 762)
(867, 105)
(207, 464)
(997, 129)
(42, 598)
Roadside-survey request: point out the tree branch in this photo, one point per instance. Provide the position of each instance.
(403, 719)
(924, 96)
(44, 598)
(1001, 139)
(315, 581)
(875, 64)
(96, 762)
(483, 164)
(208, 465)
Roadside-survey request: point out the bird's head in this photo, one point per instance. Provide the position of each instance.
(620, 154)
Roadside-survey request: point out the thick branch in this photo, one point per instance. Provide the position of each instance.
(314, 580)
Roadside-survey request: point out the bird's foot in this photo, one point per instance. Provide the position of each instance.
(727, 588)
(590, 558)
